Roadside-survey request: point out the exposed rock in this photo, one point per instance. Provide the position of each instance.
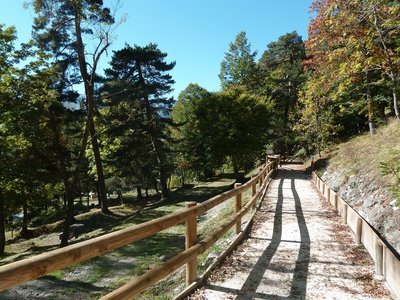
(370, 199)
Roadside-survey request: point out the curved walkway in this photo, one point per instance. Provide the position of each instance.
(297, 249)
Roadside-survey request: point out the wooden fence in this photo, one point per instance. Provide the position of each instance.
(40, 265)
(386, 258)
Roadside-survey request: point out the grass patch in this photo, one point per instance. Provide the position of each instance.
(59, 274)
(107, 272)
(97, 273)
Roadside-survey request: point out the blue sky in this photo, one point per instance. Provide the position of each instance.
(195, 34)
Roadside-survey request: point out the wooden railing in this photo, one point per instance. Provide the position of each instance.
(40, 265)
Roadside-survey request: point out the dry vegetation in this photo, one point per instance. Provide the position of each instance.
(364, 172)
(365, 153)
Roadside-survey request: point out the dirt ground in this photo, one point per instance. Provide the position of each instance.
(297, 249)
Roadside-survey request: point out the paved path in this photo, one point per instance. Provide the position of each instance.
(297, 249)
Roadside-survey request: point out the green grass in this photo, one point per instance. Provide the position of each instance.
(118, 267)
(59, 274)
(164, 245)
(364, 155)
(97, 273)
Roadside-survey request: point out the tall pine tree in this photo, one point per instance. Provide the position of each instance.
(142, 74)
(282, 75)
(238, 66)
(61, 26)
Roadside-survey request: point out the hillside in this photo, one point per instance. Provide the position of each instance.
(355, 171)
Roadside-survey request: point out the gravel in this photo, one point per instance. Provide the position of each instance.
(297, 249)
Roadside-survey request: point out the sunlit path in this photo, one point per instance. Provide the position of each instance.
(297, 249)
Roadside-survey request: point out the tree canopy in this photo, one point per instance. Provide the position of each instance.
(239, 63)
(126, 132)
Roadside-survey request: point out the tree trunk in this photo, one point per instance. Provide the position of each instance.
(139, 193)
(2, 225)
(381, 110)
(64, 199)
(69, 215)
(156, 188)
(89, 94)
(24, 229)
(370, 105)
(120, 197)
(235, 167)
(154, 141)
(102, 194)
(68, 189)
(395, 106)
(163, 182)
(372, 129)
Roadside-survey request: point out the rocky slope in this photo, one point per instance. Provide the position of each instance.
(370, 199)
(354, 172)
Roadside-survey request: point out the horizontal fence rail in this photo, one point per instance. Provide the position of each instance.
(37, 266)
(386, 258)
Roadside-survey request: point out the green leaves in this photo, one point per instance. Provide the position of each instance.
(137, 113)
(239, 63)
(282, 75)
(347, 68)
(219, 127)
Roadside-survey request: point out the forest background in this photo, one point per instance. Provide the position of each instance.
(66, 128)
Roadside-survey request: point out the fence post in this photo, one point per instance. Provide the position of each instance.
(253, 191)
(328, 194)
(238, 206)
(345, 206)
(358, 231)
(253, 187)
(191, 240)
(378, 258)
(261, 177)
(335, 201)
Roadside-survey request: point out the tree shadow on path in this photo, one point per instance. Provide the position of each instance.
(299, 283)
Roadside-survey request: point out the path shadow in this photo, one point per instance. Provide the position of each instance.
(254, 279)
(299, 282)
